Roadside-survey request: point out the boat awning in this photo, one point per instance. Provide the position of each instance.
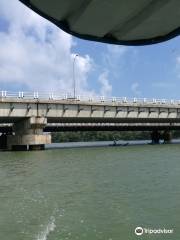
(126, 22)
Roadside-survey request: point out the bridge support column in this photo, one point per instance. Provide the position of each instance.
(167, 136)
(28, 135)
(155, 137)
(3, 141)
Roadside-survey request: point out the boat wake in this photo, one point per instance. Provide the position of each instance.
(43, 235)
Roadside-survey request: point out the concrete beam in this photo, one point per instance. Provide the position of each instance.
(12, 111)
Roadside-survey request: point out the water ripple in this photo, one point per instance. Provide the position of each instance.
(50, 227)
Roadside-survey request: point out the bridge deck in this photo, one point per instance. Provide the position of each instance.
(64, 108)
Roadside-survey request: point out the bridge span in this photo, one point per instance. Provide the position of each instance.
(29, 115)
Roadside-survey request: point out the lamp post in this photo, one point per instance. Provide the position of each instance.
(74, 80)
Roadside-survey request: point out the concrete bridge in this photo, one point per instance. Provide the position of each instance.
(27, 118)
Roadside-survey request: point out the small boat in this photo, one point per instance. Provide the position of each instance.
(115, 144)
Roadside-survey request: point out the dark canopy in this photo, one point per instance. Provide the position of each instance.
(127, 22)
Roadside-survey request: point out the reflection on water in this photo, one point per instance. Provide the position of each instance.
(89, 193)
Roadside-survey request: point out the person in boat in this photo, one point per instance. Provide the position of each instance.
(114, 142)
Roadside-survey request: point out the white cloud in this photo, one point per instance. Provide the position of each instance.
(117, 50)
(117, 59)
(114, 55)
(106, 87)
(35, 53)
(135, 89)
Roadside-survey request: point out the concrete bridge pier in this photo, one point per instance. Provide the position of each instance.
(155, 137)
(28, 135)
(167, 137)
(3, 141)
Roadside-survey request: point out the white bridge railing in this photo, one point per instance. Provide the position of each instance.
(93, 98)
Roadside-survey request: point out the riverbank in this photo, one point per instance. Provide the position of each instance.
(104, 144)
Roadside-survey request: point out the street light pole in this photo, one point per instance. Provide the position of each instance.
(74, 80)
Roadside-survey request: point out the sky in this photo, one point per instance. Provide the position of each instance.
(35, 55)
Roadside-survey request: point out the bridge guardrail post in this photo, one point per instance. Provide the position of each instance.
(3, 94)
(125, 99)
(65, 96)
(172, 101)
(154, 100)
(102, 98)
(51, 96)
(36, 95)
(21, 95)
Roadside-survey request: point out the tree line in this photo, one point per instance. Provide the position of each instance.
(81, 136)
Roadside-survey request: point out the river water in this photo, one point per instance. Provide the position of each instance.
(90, 193)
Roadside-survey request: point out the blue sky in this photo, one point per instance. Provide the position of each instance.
(36, 55)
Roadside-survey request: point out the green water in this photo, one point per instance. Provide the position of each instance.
(90, 193)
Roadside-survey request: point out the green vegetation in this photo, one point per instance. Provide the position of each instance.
(103, 136)
(98, 136)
